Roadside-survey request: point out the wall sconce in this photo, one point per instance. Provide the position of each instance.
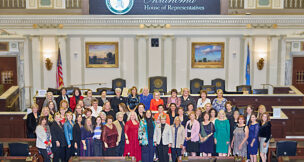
(48, 64)
(48, 61)
(261, 61)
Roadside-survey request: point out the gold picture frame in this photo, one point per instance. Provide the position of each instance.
(4, 46)
(264, 4)
(207, 54)
(102, 54)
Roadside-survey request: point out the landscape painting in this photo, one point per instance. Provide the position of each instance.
(102, 54)
(208, 55)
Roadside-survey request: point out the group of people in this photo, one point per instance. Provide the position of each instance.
(144, 127)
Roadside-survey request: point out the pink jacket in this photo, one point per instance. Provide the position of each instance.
(194, 131)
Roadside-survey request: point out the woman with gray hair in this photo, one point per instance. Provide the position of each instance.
(116, 100)
(121, 139)
(163, 139)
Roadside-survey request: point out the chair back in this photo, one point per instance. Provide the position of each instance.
(195, 85)
(158, 83)
(286, 148)
(18, 149)
(219, 84)
(118, 83)
(1, 149)
(260, 91)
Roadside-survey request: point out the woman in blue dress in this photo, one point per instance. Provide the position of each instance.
(253, 141)
(133, 99)
(206, 136)
(219, 102)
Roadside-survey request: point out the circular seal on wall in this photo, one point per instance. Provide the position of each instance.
(119, 7)
(158, 83)
(197, 85)
(118, 84)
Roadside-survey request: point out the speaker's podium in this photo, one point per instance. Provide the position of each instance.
(158, 83)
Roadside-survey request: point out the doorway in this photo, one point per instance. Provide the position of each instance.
(8, 73)
(298, 73)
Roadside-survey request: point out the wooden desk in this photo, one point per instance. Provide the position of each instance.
(99, 159)
(273, 147)
(12, 125)
(291, 159)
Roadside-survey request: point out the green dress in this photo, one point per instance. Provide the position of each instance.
(222, 135)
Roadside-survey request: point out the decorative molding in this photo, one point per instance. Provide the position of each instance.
(137, 20)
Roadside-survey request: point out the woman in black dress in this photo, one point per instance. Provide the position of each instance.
(77, 134)
(32, 121)
(172, 112)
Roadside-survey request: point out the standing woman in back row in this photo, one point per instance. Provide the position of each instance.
(219, 102)
(133, 99)
(132, 147)
(145, 137)
(68, 132)
(222, 134)
(192, 131)
(264, 136)
(253, 140)
(43, 141)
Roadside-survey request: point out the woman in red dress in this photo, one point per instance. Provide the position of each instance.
(132, 147)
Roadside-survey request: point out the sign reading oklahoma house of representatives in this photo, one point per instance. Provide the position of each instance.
(155, 7)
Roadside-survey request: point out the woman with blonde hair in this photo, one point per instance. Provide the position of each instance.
(178, 138)
(68, 132)
(132, 146)
(261, 111)
(156, 101)
(222, 134)
(219, 102)
(78, 111)
(45, 111)
(207, 107)
(32, 121)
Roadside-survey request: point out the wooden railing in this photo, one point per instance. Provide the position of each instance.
(9, 100)
(236, 4)
(294, 4)
(13, 4)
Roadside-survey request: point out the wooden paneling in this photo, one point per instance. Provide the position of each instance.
(298, 73)
(12, 126)
(294, 124)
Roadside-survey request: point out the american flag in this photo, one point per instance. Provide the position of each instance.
(59, 76)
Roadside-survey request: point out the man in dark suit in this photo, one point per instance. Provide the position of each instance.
(63, 96)
(59, 143)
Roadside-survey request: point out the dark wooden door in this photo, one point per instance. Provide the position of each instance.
(298, 73)
(8, 72)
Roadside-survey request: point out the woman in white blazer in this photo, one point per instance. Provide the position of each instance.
(178, 137)
(43, 141)
(163, 139)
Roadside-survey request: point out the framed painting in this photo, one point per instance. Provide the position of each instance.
(208, 54)
(101, 54)
(4, 46)
(46, 3)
